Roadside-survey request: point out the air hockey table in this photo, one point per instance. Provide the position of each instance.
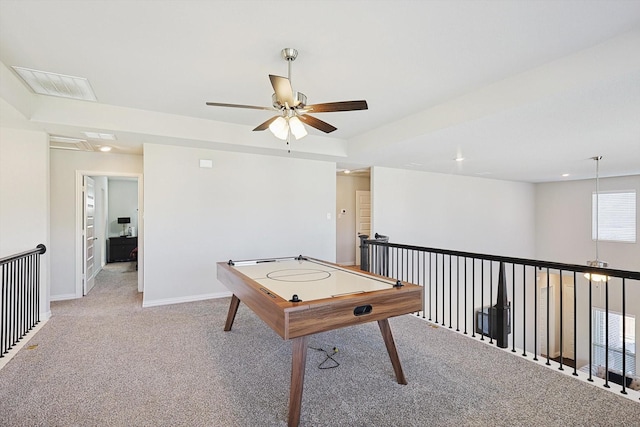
(301, 296)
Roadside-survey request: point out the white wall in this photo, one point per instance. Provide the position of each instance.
(458, 213)
(246, 206)
(563, 234)
(454, 212)
(64, 165)
(123, 202)
(346, 187)
(24, 199)
(563, 223)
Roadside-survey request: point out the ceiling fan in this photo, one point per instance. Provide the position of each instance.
(292, 106)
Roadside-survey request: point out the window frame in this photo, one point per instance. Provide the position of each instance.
(606, 234)
(598, 344)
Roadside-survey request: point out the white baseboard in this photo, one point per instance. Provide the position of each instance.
(180, 300)
(62, 297)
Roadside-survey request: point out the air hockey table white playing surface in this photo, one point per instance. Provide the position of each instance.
(309, 279)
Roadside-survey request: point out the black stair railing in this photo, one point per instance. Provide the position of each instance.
(20, 293)
(530, 305)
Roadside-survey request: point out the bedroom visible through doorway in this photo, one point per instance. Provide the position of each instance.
(110, 228)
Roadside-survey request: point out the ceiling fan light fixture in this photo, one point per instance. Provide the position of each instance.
(280, 128)
(297, 128)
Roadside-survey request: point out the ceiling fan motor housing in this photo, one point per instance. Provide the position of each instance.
(300, 100)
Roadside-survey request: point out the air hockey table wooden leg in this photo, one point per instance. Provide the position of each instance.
(233, 309)
(391, 349)
(298, 363)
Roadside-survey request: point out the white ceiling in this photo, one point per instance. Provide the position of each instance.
(523, 90)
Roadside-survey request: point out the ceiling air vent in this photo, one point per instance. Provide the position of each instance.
(53, 84)
(66, 143)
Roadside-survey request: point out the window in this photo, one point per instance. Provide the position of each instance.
(615, 340)
(616, 217)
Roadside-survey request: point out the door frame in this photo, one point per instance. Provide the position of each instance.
(89, 281)
(358, 261)
(79, 251)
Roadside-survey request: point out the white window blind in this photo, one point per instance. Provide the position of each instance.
(616, 216)
(615, 340)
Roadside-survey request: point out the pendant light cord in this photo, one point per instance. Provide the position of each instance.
(597, 206)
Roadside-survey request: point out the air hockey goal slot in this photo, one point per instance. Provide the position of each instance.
(362, 310)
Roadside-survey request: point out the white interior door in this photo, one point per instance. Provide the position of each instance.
(89, 234)
(363, 218)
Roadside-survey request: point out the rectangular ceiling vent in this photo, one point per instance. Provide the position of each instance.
(65, 143)
(53, 84)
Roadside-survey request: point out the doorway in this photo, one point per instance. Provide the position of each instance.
(347, 242)
(117, 218)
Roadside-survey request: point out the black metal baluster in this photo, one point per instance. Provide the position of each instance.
(43, 249)
(424, 280)
(624, 347)
(396, 263)
(590, 330)
(3, 310)
(606, 334)
(535, 316)
(561, 324)
(430, 274)
(22, 300)
(513, 308)
(492, 326)
(575, 327)
(450, 295)
(482, 301)
(465, 295)
(413, 265)
(473, 295)
(436, 289)
(371, 264)
(13, 326)
(443, 291)
(29, 294)
(457, 294)
(9, 307)
(524, 310)
(548, 320)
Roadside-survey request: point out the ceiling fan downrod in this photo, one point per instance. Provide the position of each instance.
(289, 54)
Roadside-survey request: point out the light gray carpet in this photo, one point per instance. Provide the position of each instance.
(105, 361)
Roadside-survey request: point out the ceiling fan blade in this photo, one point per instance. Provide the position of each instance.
(329, 107)
(266, 124)
(317, 123)
(282, 88)
(253, 107)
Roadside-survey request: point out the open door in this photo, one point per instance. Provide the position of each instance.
(89, 233)
(363, 218)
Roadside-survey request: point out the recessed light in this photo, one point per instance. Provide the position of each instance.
(53, 84)
(105, 148)
(459, 159)
(565, 175)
